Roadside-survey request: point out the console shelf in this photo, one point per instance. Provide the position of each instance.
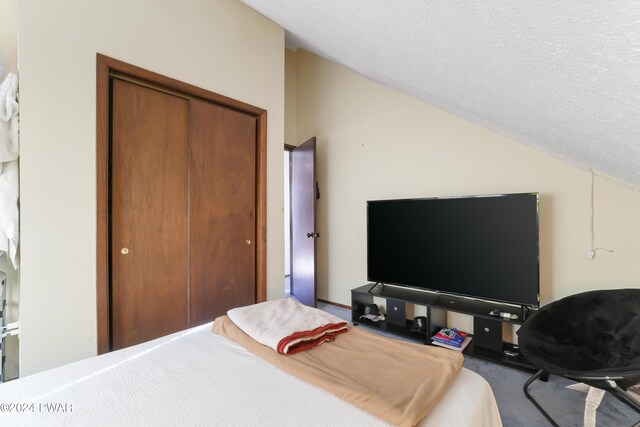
(394, 329)
(487, 343)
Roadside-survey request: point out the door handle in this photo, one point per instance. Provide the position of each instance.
(312, 235)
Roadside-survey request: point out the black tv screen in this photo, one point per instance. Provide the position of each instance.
(482, 246)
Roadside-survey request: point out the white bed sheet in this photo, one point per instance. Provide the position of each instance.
(197, 378)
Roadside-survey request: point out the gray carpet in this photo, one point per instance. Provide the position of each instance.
(566, 406)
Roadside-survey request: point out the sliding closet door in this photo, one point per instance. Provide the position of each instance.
(149, 178)
(222, 210)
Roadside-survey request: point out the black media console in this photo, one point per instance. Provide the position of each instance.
(487, 319)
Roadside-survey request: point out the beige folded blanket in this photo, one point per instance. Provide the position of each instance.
(396, 381)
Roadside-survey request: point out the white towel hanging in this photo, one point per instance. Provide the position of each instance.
(9, 178)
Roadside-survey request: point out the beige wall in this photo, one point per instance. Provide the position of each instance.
(290, 107)
(8, 43)
(218, 45)
(376, 143)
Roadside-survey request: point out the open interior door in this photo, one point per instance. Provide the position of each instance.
(303, 222)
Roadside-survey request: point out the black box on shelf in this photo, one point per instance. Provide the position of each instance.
(396, 312)
(487, 333)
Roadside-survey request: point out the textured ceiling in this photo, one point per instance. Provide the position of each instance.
(560, 76)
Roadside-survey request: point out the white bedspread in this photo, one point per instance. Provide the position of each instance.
(198, 378)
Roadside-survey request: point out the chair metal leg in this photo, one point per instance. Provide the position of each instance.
(624, 397)
(535, 376)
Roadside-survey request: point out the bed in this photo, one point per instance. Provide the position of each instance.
(195, 377)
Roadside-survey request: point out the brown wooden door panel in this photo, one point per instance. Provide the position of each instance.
(303, 222)
(149, 214)
(222, 230)
(154, 309)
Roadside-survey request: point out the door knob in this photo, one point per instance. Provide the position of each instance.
(124, 251)
(248, 242)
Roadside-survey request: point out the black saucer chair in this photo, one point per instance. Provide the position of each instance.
(592, 338)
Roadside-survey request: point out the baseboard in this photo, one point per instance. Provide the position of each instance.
(348, 307)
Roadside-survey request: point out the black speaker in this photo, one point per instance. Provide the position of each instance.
(395, 312)
(487, 333)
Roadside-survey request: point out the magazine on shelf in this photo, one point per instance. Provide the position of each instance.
(450, 336)
(465, 343)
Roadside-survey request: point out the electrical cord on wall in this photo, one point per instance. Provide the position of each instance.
(591, 252)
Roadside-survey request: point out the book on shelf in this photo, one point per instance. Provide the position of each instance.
(450, 336)
(464, 344)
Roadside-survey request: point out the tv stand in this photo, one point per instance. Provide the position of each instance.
(488, 318)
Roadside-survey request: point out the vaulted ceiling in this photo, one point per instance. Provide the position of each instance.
(560, 76)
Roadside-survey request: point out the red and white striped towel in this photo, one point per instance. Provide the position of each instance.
(287, 326)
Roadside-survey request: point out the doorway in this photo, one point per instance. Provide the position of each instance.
(287, 220)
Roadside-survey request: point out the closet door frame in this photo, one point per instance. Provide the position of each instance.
(108, 68)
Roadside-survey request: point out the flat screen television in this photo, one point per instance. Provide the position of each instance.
(484, 247)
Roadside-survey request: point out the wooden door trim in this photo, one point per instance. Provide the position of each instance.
(289, 148)
(105, 67)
